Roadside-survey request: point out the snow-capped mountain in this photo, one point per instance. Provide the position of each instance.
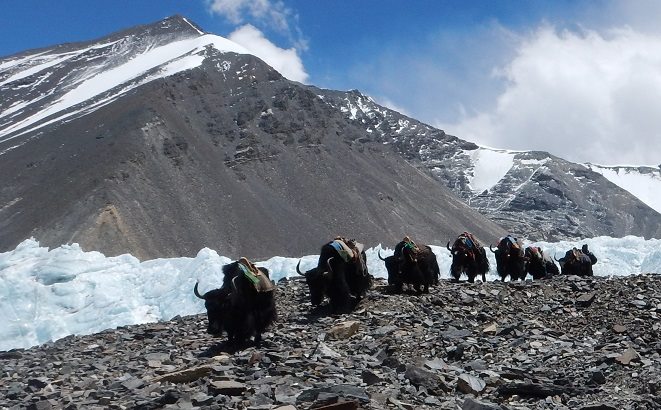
(531, 193)
(46, 86)
(643, 182)
(163, 139)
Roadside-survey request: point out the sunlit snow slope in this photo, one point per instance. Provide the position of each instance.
(46, 86)
(643, 182)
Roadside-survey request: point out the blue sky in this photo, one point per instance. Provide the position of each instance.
(580, 79)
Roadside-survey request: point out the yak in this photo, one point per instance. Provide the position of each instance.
(341, 274)
(576, 263)
(413, 265)
(244, 306)
(538, 264)
(510, 259)
(468, 257)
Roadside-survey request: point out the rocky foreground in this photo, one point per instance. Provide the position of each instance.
(565, 343)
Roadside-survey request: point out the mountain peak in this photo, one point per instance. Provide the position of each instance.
(177, 23)
(173, 27)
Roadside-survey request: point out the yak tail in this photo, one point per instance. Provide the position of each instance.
(197, 293)
(380, 257)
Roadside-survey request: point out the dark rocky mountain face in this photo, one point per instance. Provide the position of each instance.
(540, 197)
(228, 155)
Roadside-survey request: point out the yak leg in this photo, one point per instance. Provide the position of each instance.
(455, 272)
(471, 275)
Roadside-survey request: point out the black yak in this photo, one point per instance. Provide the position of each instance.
(468, 257)
(341, 274)
(244, 306)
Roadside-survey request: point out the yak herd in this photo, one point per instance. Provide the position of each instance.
(244, 306)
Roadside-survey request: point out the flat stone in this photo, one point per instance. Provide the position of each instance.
(470, 384)
(227, 387)
(491, 329)
(344, 330)
(185, 376)
(628, 356)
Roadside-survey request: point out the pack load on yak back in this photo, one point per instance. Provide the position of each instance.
(412, 264)
(510, 258)
(575, 262)
(468, 257)
(244, 306)
(341, 275)
(586, 251)
(538, 264)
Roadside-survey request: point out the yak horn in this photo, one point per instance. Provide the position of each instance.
(556, 259)
(197, 293)
(330, 270)
(491, 249)
(298, 270)
(448, 246)
(379, 253)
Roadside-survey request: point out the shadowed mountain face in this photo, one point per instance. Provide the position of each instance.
(161, 140)
(228, 155)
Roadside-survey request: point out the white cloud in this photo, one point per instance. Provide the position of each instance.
(584, 96)
(286, 61)
(266, 14)
(239, 11)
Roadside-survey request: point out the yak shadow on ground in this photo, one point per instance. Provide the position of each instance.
(231, 348)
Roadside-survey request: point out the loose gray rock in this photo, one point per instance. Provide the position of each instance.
(569, 357)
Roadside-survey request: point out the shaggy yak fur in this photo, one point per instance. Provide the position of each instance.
(342, 277)
(241, 307)
(413, 265)
(576, 262)
(510, 259)
(468, 257)
(538, 264)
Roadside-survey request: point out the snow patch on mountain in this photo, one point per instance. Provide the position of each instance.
(97, 81)
(643, 182)
(489, 167)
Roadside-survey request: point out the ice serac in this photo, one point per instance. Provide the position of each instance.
(162, 140)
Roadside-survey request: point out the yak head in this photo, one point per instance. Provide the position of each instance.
(317, 280)
(534, 255)
(216, 303)
(459, 248)
(571, 258)
(507, 248)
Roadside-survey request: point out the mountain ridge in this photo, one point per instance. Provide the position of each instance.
(251, 164)
(565, 201)
(150, 166)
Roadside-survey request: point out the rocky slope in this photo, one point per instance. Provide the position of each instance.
(565, 343)
(162, 139)
(532, 193)
(225, 153)
(642, 181)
